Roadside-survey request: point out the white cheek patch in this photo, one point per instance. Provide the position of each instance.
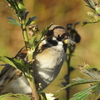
(60, 43)
(44, 41)
(54, 38)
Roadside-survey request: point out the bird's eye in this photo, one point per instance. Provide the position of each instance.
(59, 38)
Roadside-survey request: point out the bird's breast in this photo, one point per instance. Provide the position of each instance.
(50, 57)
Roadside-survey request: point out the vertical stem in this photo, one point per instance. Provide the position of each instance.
(34, 90)
(30, 57)
(31, 80)
(24, 32)
(68, 73)
(68, 81)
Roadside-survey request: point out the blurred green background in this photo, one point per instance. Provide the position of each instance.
(60, 12)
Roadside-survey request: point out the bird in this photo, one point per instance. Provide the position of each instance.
(48, 60)
(50, 56)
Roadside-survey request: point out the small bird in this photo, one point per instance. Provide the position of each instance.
(49, 57)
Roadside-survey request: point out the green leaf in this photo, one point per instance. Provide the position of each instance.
(44, 31)
(13, 21)
(91, 14)
(7, 60)
(35, 40)
(26, 13)
(90, 3)
(91, 21)
(95, 16)
(32, 41)
(91, 72)
(21, 6)
(97, 8)
(83, 95)
(95, 92)
(79, 81)
(30, 20)
(20, 64)
(15, 97)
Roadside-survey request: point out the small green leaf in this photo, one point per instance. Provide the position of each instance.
(7, 60)
(32, 41)
(30, 20)
(26, 13)
(13, 21)
(21, 6)
(20, 64)
(97, 9)
(91, 14)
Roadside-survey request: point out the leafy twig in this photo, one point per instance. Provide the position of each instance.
(78, 82)
(95, 6)
(70, 50)
(18, 7)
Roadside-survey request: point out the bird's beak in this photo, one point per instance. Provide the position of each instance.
(69, 41)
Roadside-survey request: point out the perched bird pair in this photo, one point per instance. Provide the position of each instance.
(49, 57)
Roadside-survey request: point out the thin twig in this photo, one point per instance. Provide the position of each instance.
(68, 73)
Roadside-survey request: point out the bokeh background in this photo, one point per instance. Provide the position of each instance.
(60, 12)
